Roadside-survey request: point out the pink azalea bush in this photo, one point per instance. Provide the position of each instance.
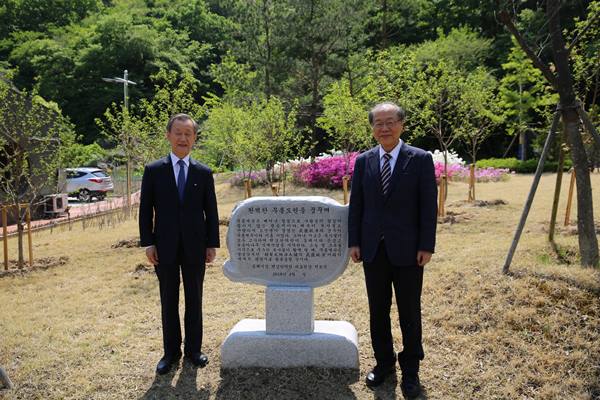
(325, 172)
(457, 172)
(259, 178)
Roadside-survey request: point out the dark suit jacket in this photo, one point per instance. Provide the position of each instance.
(406, 217)
(164, 220)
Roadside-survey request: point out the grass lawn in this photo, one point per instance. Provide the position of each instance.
(90, 329)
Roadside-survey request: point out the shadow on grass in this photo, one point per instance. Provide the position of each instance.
(184, 388)
(288, 383)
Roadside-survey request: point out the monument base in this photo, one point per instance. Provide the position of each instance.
(334, 344)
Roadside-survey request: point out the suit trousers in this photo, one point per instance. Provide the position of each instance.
(407, 281)
(193, 279)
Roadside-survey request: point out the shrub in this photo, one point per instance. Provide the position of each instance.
(259, 178)
(325, 172)
(522, 167)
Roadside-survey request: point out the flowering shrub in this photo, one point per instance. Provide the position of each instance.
(483, 174)
(326, 171)
(453, 158)
(259, 178)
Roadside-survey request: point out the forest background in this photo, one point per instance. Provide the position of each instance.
(275, 80)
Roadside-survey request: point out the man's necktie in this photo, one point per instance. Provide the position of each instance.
(386, 173)
(181, 179)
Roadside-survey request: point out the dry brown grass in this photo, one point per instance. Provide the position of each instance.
(90, 329)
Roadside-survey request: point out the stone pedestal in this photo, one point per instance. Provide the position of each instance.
(289, 310)
(333, 344)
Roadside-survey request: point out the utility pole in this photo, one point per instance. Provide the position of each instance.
(126, 82)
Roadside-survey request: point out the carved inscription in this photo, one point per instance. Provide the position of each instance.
(287, 241)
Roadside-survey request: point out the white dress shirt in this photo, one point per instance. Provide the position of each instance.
(175, 160)
(394, 153)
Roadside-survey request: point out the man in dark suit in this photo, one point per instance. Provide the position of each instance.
(179, 225)
(392, 224)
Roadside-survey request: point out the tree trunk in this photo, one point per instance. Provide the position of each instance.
(588, 243)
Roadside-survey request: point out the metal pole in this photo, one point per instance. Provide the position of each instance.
(125, 89)
(534, 185)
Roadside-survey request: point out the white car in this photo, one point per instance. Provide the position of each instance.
(86, 183)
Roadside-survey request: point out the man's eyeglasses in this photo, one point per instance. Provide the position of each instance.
(387, 124)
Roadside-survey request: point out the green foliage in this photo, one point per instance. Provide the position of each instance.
(462, 46)
(345, 119)
(525, 96)
(251, 136)
(586, 59)
(479, 110)
(522, 167)
(79, 155)
(140, 134)
(32, 134)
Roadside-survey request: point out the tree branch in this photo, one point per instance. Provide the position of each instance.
(588, 25)
(539, 64)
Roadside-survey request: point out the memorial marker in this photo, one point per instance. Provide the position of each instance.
(291, 245)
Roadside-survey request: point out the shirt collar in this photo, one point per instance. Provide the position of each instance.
(175, 159)
(394, 153)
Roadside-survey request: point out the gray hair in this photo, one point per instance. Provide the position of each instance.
(181, 117)
(387, 104)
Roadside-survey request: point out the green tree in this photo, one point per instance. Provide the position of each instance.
(345, 120)
(525, 97)
(438, 94)
(31, 133)
(479, 109)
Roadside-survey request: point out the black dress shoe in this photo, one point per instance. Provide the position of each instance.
(165, 363)
(411, 385)
(198, 359)
(378, 375)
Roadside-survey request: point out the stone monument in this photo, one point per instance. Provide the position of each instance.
(291, 245)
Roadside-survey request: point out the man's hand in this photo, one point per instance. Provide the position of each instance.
(211, 254)
(355, 253)
(152, 255)
(423, 257)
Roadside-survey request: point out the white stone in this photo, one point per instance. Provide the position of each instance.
(288, 241)
(334, 344)
(289, 310)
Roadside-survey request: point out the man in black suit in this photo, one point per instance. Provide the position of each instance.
(392, 224)
(179, 225)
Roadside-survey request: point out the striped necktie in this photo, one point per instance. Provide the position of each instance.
(386, 173)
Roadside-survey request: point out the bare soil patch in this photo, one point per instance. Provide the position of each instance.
(127, 243)
(41, 263)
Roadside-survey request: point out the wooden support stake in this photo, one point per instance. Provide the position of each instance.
(534, 185)
(28, 220)
(345, 187)
(248, 185)
(5, 236)
(471, 183)
(559, 174)
(442, 197)
(570, 198)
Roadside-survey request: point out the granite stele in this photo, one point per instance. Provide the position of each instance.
(291, 245)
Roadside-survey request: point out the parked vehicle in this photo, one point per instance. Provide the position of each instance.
(86, 183)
